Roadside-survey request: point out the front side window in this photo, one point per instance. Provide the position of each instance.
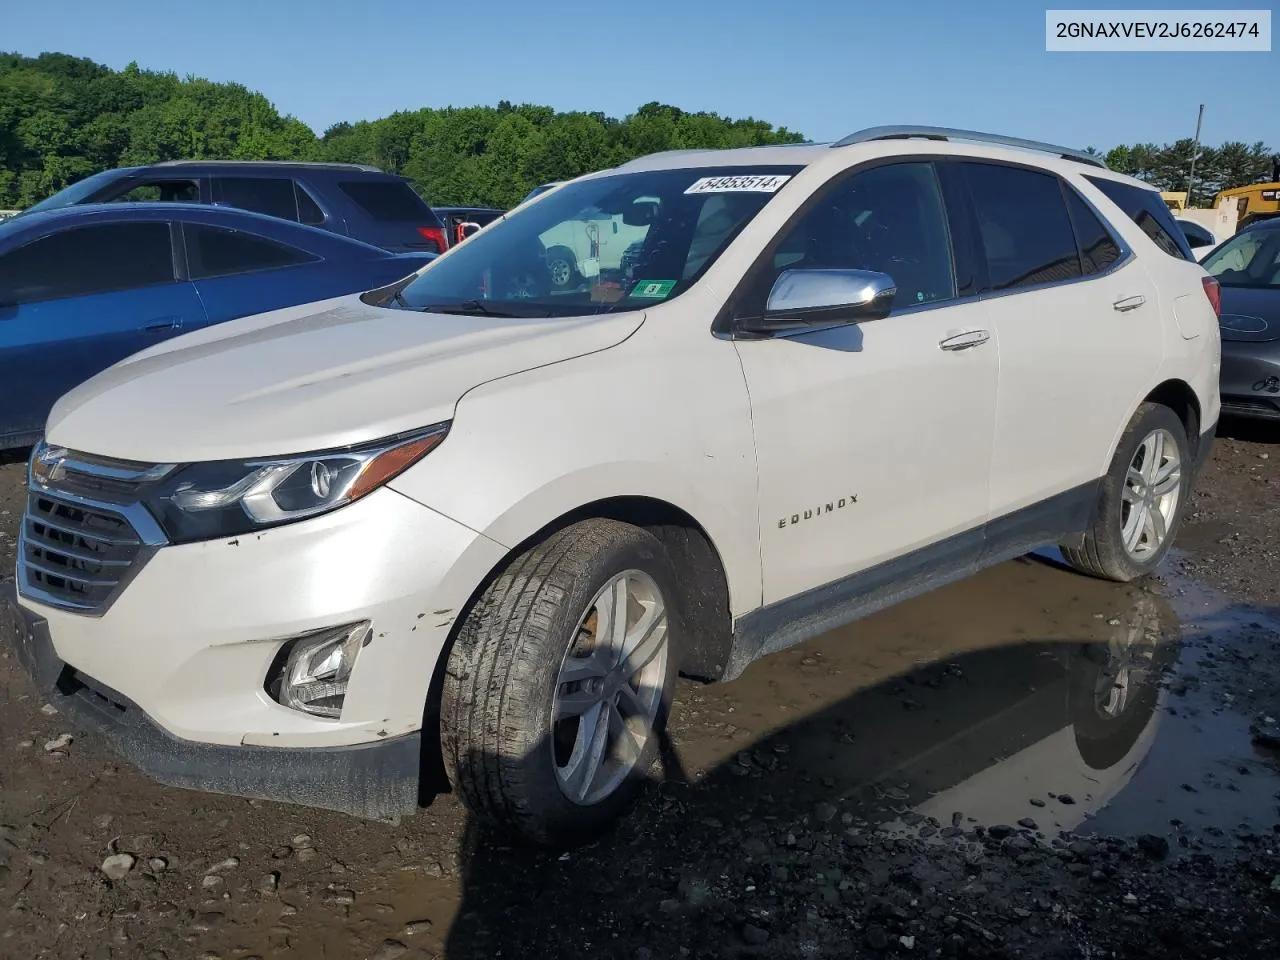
(889, 219)
(1146, 208)
(1023, 225)
(273, 196)
(170, 191)
(1098, 248)
(82, 261)
(219, 252)
(1249, 259)
(613, 243)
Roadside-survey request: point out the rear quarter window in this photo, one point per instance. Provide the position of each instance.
(388, 201)
(1147, 209)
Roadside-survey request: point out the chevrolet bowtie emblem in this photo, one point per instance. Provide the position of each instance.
(49, 466)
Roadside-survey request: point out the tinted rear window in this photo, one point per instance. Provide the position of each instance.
(218, 252)
(1023, 223)
(270, 195)
(1098, 249)
(1149, 212)
(389, 200)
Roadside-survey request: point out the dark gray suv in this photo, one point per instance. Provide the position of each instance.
(354, 200)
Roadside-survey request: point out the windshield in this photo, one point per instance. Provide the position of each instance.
(76, 193)
(614, 243)
(1249, 259)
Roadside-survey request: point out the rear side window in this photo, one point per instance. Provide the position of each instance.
(273, 196)
(86, 260)
(1146, 209)
(1197, 236)
(219, 252)
(1023, 226)
(1098, 248)
(388, 200)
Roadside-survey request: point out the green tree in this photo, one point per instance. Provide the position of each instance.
(63, 118)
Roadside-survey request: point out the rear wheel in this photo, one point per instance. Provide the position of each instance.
(1141, 501)
(559, 682)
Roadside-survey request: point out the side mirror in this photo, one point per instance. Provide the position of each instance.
(639, 214)
(803, 298)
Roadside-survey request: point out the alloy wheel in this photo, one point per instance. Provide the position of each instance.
(610, 688)
(1152, 491)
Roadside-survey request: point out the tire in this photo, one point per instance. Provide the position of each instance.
(506, 678)
(562, 268)
(1104, 552)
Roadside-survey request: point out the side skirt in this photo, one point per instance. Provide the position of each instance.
(787, 622)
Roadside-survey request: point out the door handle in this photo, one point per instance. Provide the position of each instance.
(1129, 303)
(161, 324)
(966, 340)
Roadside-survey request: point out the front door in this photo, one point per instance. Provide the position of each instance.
(873, 440)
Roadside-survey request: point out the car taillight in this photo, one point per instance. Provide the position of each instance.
(1213, 290)
(436, 236)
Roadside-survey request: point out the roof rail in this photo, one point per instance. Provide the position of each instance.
(949, 133)
(365, 167)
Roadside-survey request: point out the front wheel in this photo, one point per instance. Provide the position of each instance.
(559, 682)
(1141, 500)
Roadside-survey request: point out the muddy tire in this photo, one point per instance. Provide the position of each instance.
(558, 685)
(1141, 500)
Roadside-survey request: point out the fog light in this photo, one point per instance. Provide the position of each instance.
(316, 670)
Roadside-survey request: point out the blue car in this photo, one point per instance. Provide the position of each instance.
(86, 286)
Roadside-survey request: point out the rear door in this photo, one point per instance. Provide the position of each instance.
(386, 212)
(1079, 334)
(238, 273)
(74, 302)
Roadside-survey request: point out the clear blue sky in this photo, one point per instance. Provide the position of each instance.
(823, 67)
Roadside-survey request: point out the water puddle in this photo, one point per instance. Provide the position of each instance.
(1027, 693)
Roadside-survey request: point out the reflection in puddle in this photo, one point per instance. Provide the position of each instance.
(1024, 694)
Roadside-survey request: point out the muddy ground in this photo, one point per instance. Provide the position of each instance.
(1025, 764)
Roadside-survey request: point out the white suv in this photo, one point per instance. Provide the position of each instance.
(292, 555)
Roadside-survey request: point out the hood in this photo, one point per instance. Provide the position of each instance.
(1250, 313)
(313, 377)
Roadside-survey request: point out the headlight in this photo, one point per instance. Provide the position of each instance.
(224, 498)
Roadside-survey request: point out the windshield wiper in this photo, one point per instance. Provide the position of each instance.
(468, 308)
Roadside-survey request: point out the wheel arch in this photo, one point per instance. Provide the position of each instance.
(1178, 396)
(1174, 393)
(704, 600)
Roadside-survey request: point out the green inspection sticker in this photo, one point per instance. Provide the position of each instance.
(653, 289)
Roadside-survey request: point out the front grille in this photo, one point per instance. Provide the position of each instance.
(74, 555)
(84, 533)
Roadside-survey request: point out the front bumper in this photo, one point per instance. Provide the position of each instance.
(378, 781)
(173, 671)
(1251, 379)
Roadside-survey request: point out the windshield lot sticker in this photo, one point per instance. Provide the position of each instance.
(653, 289)
(756, 184)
